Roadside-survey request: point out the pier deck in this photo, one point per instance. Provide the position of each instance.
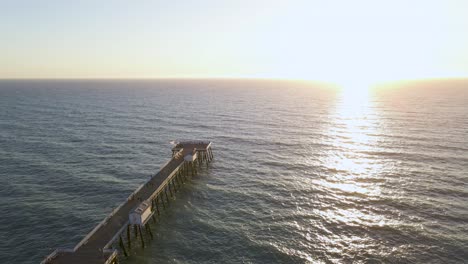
(96, 246)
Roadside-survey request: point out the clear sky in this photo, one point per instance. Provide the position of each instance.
(343, 41)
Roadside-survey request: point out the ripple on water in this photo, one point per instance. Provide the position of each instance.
(301, 174)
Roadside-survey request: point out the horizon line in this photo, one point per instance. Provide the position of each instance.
(182, 78)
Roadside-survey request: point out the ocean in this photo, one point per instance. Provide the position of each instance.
(302, 172)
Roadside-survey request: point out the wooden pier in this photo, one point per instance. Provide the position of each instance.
(129, 224)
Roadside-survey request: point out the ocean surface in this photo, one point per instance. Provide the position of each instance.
(302, 173)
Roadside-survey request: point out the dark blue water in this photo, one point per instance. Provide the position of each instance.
(302, 173)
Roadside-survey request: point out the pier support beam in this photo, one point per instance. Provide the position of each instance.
(141, 237)
(162, 201)
(129, 239)
(205, 158)
(167, 197)
(121, 244)
(170, 189)
(179, 180)
(135, 229)
(176, 183)
(157, 206)
(148, 229)
(183, 173)
(174, 186)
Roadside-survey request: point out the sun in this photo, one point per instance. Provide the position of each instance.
(355, 84)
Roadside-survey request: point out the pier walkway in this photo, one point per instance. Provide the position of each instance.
(98, 247)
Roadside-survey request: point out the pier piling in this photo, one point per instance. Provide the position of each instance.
(129, 239)
(122, 246)
(141, 237)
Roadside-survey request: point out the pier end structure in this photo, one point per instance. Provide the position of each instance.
(100, 245)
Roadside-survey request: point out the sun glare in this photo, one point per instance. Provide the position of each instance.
(355, 92)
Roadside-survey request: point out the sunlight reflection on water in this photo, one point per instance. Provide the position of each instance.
(354, 121)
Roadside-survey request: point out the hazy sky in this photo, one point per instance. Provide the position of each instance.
(344, 41)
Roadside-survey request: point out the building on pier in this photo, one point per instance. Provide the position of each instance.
(141, 214)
